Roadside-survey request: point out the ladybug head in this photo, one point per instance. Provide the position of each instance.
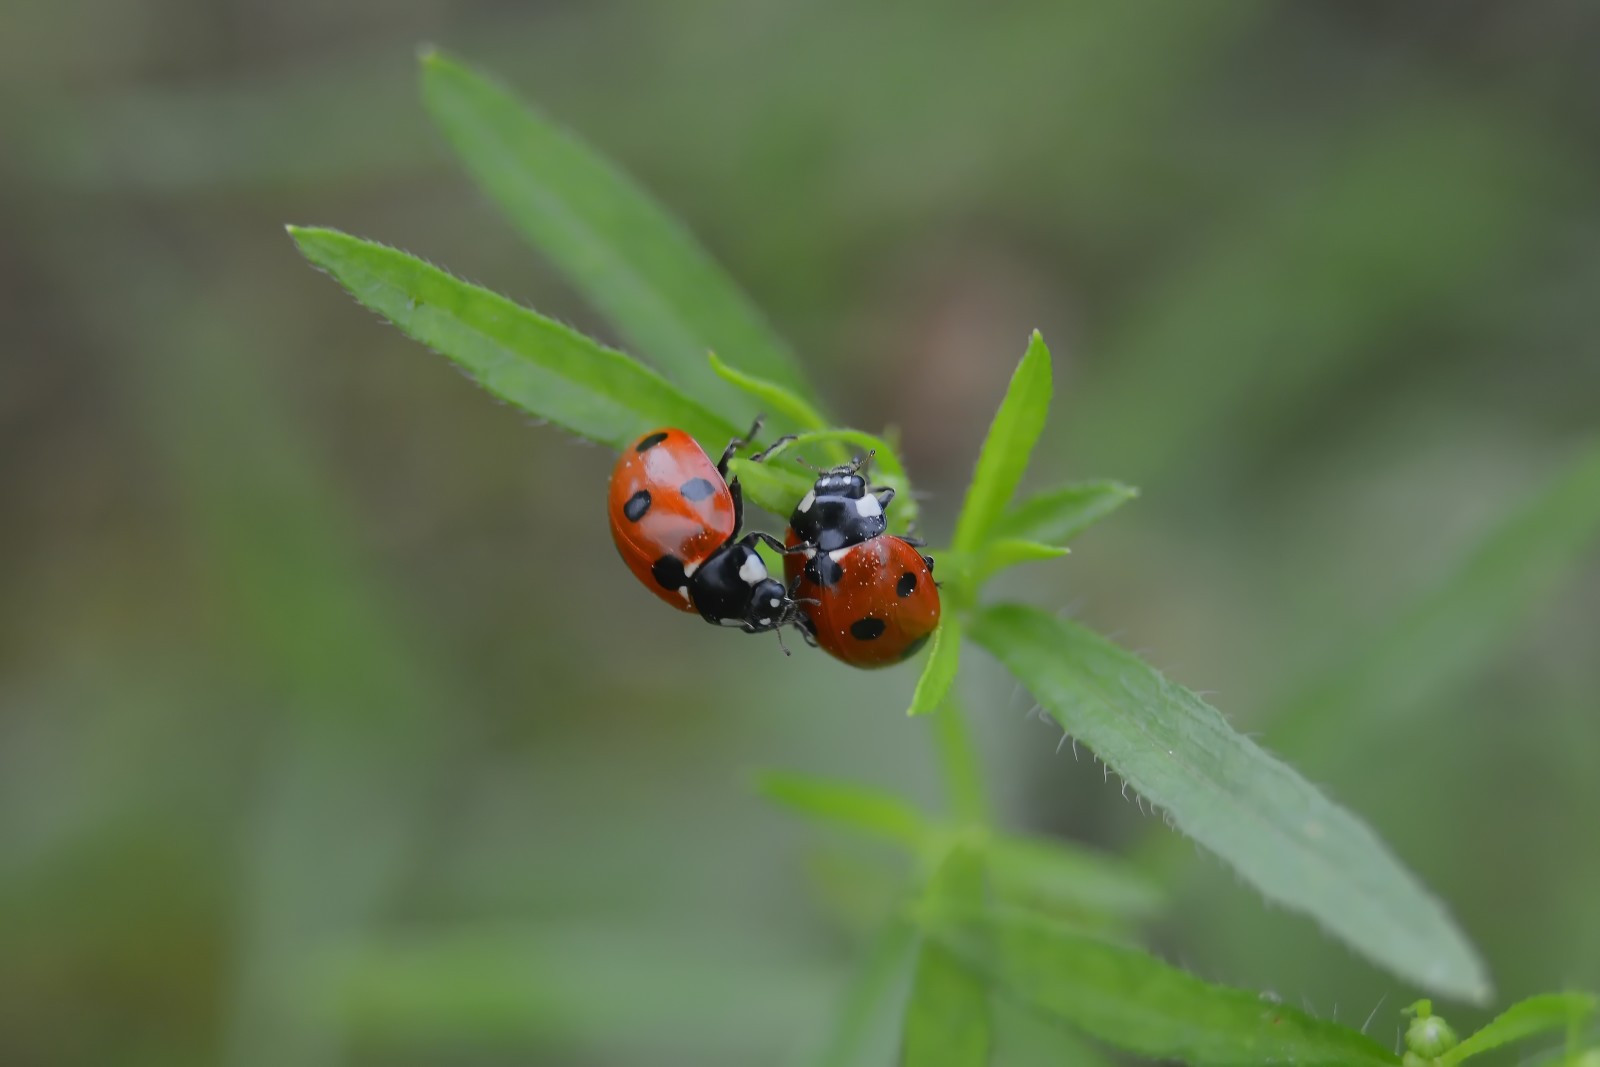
(770, 606)
(845, 480)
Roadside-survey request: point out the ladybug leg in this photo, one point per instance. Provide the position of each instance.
(737, 491)
(761, 536)
(738, 443)
(774, 447)
(883, 496)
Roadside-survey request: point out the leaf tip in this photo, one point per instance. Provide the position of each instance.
(427, 53)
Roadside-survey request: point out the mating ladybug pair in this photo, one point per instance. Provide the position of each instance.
(859, 593)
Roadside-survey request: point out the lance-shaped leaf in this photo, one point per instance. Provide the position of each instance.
(633, 260)
(546, 369)
(939, 672)
(1056, 516)
(1129, 999)
(947, 1021)
(1011, 438)
(1544, 1014)
(1277, 831)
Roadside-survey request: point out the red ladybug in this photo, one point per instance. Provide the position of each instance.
(870, 599)
(675, 519)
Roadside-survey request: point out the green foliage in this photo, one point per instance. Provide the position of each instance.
(1564, 1013)
(1039, 922)
(947, 1021)
(635, 262)
(1012, 435)
(1274, 828)
(550, 371)
(944, 658)
(1453, 628)
(1133, 1001)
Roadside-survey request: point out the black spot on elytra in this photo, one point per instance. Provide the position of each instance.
(867, 629)
(824, 570)
(637, 505)
(697, 489)
(914, 647)
(906, 585)
(668, 572)
(650, 442)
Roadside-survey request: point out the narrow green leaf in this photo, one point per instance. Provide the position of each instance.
(1449, 633)
(769, 486)
(1012, 435)
(939, 672)
(1043, 874)
(781, 401)
(959, 764)
(627, 990)
(1284, 837)
(947, 1021)
(548, 370)
(1056, 516)
(861, 1029)
(861, 808)
(1128, 999)
(1547, 1013)
(633, 261)
(1006, 552)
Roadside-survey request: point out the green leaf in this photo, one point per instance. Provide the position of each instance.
(1549, 1012)
(626, 989)
(1277, 831)
(777, 399)
(1128, 999)
(860, 1030)
(1011, 438)
(1056, 516)
(1005, 553)
(1043, 873)
(939, 672)
(543, 367)
(770, 487)
(947, 1022)
(1450, 633)
(861, 808)
(1034, 870)
(631, 259)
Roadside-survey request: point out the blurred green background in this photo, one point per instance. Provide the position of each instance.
(332, 730)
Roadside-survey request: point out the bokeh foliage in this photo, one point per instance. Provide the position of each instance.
(300, 635)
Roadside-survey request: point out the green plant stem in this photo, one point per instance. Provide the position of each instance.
(958, 762)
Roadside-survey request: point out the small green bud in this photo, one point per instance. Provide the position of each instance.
(1430, 1036)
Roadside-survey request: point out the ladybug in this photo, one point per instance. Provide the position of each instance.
(675, 519)
(870, 598)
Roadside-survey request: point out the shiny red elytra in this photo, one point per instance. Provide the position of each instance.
(675, 520)
(876, 602)
(866, 597)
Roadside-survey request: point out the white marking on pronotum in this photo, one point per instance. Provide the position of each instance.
(753, 570)
(683, 591)
(690, 568)
(838, 554)
(807, 500)
(867, 507)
